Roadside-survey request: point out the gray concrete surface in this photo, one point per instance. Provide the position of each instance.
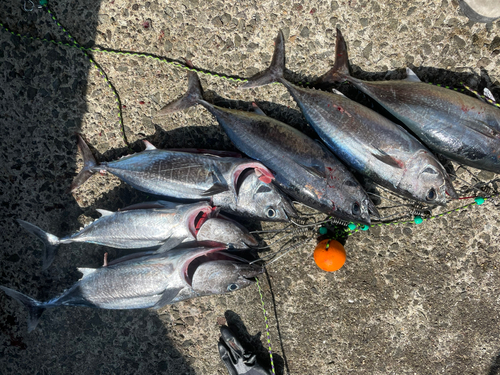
(410, 300)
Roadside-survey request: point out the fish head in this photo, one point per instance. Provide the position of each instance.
(260, 199)
(221, 272)
(355, 205)
(224, 230)
(426, 179)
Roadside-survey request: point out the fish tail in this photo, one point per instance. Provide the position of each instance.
(35, 308)
(50, 242)
(275, 70)
(340, 70)
(89, 163)
(193, 95)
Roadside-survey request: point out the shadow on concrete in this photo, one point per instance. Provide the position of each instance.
(42, 103)
(495, 366)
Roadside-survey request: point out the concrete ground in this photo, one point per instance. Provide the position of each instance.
(410, 299)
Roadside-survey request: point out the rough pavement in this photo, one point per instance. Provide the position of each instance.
(410, 300)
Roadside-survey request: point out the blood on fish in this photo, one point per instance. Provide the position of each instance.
(265, 179)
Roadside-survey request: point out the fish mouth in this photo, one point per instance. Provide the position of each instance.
(244, 268)
(289, 209)
(198, 218)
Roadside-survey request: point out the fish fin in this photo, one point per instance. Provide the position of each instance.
(86, 271)
(216, 188)
(219, 185)
(483, 128)
(189, 99)
(50, 242)
(256, 109)
(340, 69)
(104, 212)
(207, 151)
(169, 244)
(148, 145)
(487, 93)
(150, 205)
(314, 170)
(411, 76)
(387, 159)
(335, 91)
(275, 70)
(167, 296)
(89, 163)
(35, 308)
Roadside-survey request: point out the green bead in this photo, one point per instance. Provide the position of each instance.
(351, 226)
(479, 200)
(365, 227)
(418, 220)
(43, 2)
(323, 230)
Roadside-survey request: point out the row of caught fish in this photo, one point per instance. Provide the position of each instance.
(460, 127)
(287, 163)
(190, 258)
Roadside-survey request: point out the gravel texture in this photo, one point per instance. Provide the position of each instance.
(410, 299)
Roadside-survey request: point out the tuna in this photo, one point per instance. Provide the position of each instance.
(150, 281)
(238, 185)
(148, 225)
(365, 140)
(303, 168)
(460, 127)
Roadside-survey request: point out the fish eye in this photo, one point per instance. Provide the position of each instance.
(429, 170)
(351, 183)
(270, 212)
(355, 208)
(431, 195)
(232, 287)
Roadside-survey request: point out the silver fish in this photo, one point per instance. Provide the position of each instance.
(239, 185)
(303, 168)
(224, 230)
(365, 140)
(460, 127)
(150, 281)
(146, 225)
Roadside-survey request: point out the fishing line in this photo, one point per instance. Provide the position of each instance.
(268, 334)
(43, 4)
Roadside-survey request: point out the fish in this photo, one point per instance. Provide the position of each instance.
(303, 168)
(148, 225)
(237, 185)
(366, 141)
(462, 128)
(150, 281)
(224, 230)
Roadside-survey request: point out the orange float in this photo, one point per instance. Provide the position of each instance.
(329, 255)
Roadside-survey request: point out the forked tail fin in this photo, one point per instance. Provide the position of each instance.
(189, 99)
(88, 164)
(340, 69)
(50, 242)
(35, 308)
(275, 70)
